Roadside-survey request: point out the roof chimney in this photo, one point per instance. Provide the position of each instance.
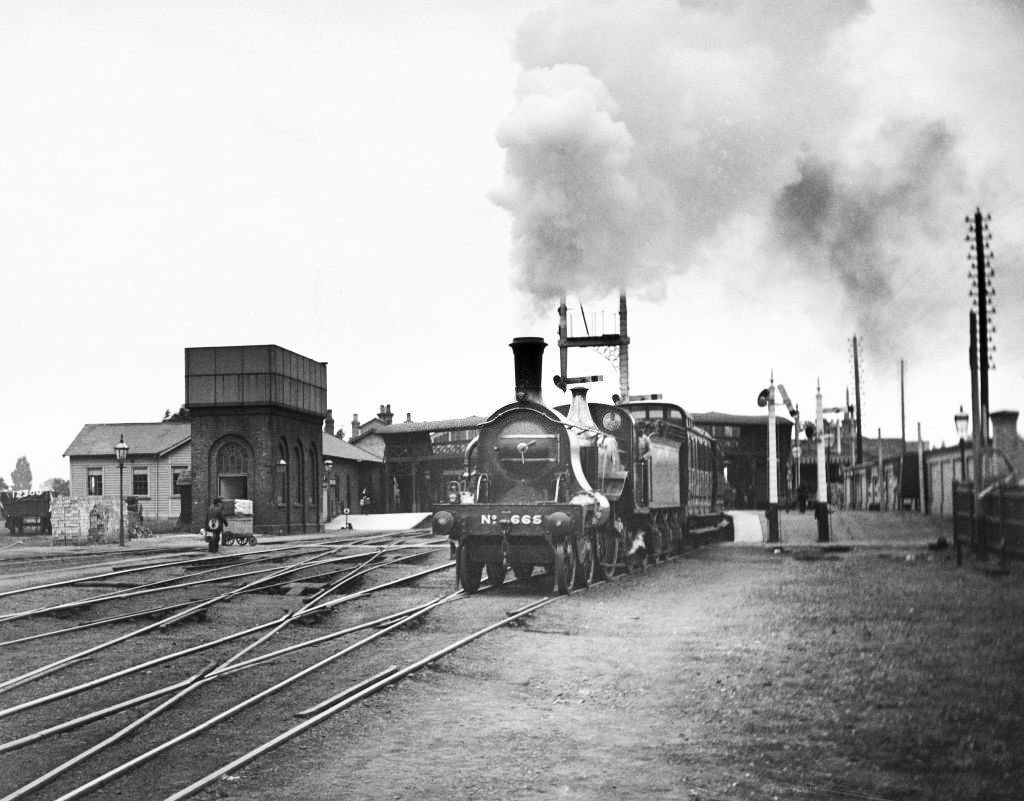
(329, 422)
(528, 353)
(355, 426)
(408, 417)
(386, 415)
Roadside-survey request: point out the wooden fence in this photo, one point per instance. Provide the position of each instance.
(998, 529)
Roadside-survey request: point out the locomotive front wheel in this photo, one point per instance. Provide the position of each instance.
(252, 539)
(469, 571)
(608, 551)
(563, 569)
(496, 573)
(522, 570)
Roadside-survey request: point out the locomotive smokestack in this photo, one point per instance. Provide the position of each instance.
(529, 355)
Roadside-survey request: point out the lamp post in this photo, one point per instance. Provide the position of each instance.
(121, 453)
(960, 419)
(282, 472)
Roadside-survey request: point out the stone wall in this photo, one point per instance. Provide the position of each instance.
(80, 521)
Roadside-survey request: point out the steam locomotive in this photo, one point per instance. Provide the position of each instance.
(584, 490)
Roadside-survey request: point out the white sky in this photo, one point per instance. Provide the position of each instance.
(321, 175)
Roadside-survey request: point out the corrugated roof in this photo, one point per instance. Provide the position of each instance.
(99, 439)
(454, 424)
(339, 449)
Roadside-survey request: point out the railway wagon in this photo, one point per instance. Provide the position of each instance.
(22, 508)
(583, 490)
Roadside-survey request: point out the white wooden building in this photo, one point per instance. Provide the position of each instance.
(158, 455)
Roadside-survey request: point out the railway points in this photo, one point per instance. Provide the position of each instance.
(87, 698)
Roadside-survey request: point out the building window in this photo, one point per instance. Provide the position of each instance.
(233, 465)
(94, 481)
(233, 459)
(176, 473)
(140, 481)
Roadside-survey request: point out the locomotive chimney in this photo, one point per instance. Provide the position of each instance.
(529, 354)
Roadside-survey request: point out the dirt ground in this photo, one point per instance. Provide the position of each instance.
(731, 673)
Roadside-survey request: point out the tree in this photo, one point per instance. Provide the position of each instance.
(57, 485)
(183, 415)
(21, 478)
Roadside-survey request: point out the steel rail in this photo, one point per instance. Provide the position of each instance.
(139, 569)
(194, 683)
(187, 612)
(100, 680)
(120, 706)
(146, 589)
(165, 585)
(341, 704)
(191, 685)
(93, 623)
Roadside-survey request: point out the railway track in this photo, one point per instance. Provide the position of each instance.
(127, 708)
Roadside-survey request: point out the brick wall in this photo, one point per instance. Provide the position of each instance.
(261, 432)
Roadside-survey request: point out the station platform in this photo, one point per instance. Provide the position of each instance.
(846, 528)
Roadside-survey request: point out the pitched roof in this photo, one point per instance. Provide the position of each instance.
(339, 449)
(99, 439)
(429, 426)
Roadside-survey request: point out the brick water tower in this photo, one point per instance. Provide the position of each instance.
(257, 412)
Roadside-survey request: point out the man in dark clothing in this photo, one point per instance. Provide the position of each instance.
(216, 525)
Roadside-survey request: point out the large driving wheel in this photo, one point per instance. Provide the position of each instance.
(586, 561)
(469, 571)
(563, 569)
(608, 551)
(496, 573)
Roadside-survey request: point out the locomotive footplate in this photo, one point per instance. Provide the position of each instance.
(508, 532)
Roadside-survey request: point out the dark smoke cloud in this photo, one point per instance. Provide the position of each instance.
(870, 226)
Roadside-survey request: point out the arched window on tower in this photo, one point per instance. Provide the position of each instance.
(234, 467)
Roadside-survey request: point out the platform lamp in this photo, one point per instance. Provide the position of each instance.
(121, 453)
(328, 467)
(282, 475)
(961, 419)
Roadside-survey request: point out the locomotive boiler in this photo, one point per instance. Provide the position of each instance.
(583, 490)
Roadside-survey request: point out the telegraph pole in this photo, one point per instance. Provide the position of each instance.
(903, 431)
(982, 292)
(856, 390)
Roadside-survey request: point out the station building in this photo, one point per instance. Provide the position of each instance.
(418, 458)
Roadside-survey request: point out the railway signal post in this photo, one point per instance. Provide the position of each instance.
(821, 502)
(773, 476)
